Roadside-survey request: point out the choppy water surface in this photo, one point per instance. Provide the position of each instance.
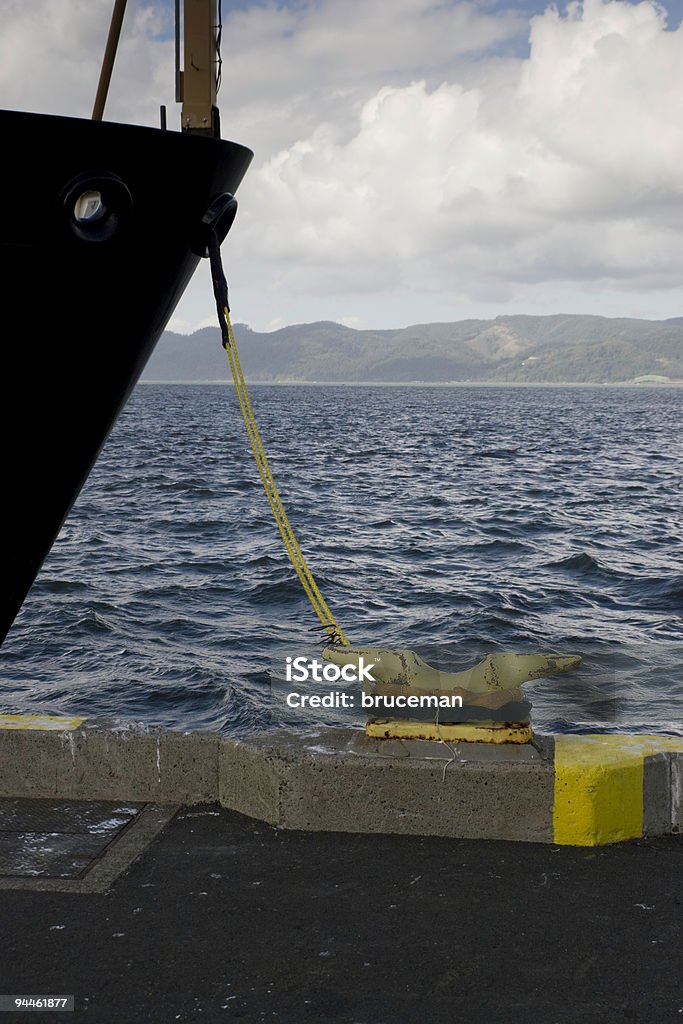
(455, 521)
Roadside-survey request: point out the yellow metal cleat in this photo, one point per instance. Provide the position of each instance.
(400, 678)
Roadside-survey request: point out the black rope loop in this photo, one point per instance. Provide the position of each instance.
(220, 286)
(333, 639)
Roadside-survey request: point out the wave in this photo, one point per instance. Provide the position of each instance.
(585, 564)
(478, 520)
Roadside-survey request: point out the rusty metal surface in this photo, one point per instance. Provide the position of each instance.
(504, 732)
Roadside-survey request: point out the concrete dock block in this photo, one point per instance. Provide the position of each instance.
(340, 781)
(677, 792)
(249, 779)
(29, 763)
(104, 764)
(565, 789)
(657, 794)
(468, 802)
(609, 788)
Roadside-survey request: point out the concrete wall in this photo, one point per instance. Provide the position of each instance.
(575, 790)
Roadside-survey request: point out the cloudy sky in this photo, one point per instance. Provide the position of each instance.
(414, 160)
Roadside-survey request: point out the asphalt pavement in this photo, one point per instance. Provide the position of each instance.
(221, 918)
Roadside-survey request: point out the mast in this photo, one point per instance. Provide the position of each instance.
(108, 59)
(197, 84)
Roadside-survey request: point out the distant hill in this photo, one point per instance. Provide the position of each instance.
(523, 349)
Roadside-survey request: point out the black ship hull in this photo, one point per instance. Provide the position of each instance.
(103, 225)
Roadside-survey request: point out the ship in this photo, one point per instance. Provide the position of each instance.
(103, 226)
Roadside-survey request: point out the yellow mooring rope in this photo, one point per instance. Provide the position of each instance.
(334, 630)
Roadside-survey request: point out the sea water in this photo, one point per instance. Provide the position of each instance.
(456, 521)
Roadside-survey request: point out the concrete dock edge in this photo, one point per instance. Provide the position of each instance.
(91, 763)
(568, 790)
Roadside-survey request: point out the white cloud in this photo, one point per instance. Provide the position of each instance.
(570, 171)
(289, 70)
(411, 162)
(51, 52)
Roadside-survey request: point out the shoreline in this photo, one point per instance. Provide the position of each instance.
(658, 385)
